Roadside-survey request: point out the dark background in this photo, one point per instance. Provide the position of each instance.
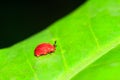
(19, 20)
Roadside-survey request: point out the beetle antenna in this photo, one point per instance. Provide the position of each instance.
(54, 44)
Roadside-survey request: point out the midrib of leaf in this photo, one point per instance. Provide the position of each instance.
(78, 68)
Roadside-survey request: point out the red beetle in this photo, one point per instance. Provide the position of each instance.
(44, 48)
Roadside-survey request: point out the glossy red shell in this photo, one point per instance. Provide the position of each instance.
(43, 49)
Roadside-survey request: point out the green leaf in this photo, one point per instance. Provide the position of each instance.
(106, 68)
(83, 37)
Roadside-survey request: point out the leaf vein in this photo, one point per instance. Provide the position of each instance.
(29, 63)
(94, 36)
(62, 54)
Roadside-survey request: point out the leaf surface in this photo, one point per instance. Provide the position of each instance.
(83, 37)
